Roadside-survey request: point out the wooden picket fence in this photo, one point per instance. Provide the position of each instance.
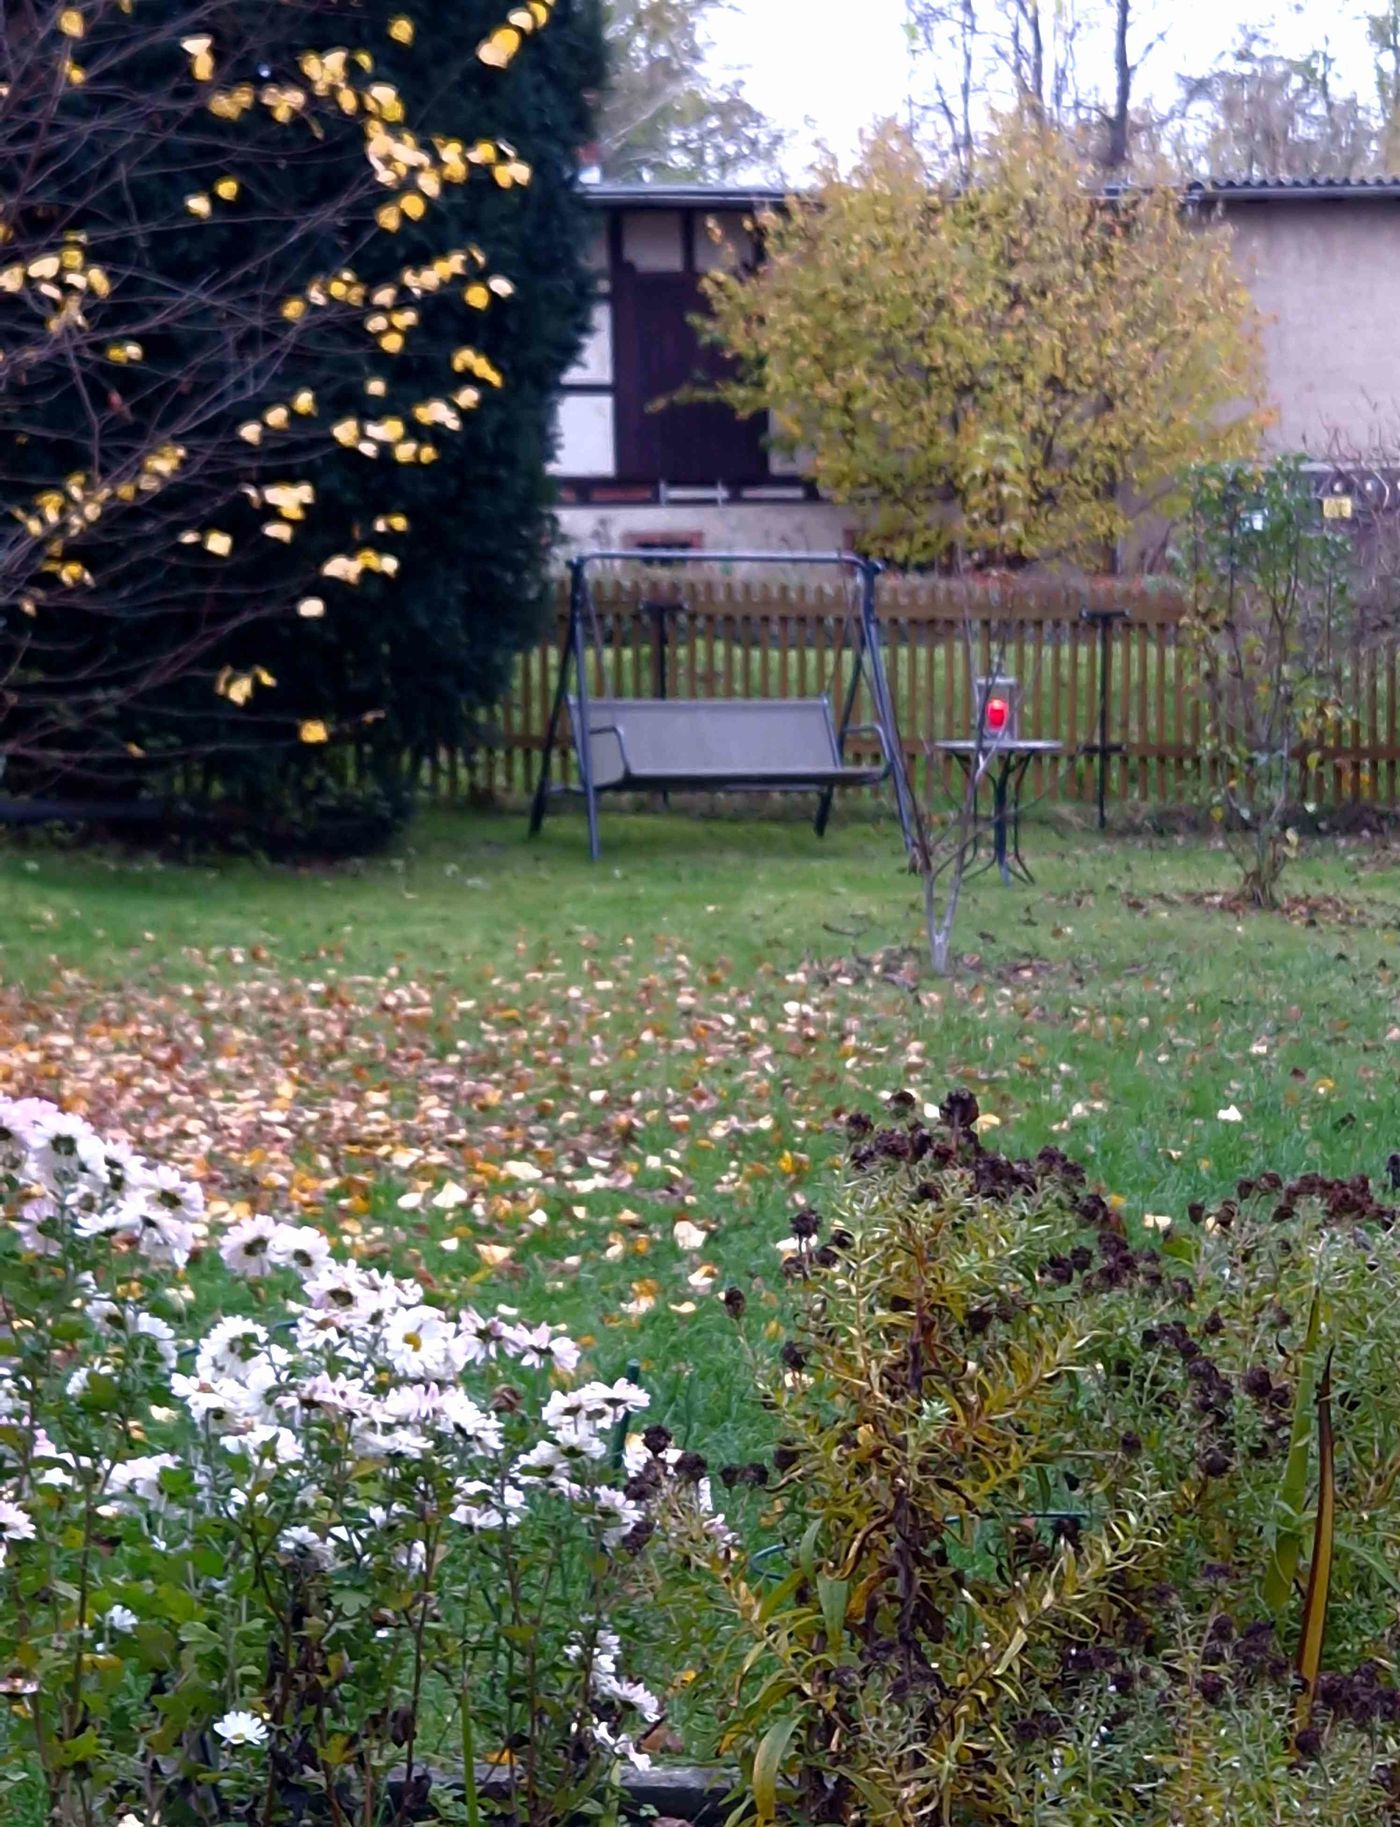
(705, 635)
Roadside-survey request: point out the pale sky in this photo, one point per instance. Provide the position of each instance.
(839, 64)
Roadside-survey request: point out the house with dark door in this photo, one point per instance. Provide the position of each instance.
(636, 467)
(1321, 256)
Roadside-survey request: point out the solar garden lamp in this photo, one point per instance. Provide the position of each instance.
(998, 711)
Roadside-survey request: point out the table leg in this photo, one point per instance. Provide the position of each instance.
(999, 821)
(1020, 781)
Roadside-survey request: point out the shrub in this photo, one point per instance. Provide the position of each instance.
(1272, 617)
(253, 1570)
(1043, 1492)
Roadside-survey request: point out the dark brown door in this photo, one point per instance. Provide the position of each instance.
(658, 351)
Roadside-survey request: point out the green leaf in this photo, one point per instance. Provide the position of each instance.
(766, 1765)
(156, 1646)
(79, 1750)
(1293, 1492)
(1324, 1541)
(834, 1596)
(807, 1550)
(780, 1594)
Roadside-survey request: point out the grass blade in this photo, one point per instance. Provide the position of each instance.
(1324, 1542)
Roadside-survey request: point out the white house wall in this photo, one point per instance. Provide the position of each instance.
(587, 445)
(741, 526)
(594, 366)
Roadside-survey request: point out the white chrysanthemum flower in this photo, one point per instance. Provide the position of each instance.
(624, 1398)
(306, 1547)
(106, 1314)
(163, 1237)
(240, 1728)
(412, 1557)
(18, 1120)
(602, 1403)
(331, 1395)
(483, 1507)
(83, 1375)
(60, 1147)
(228, 1348)
(607, 1647)
(538, 1347)
(378, 1519)
(177, 1197)
(123, 1170)
(578, 1437)
(415, 1341)
(408, 1404)
(247, 1247)
(107, 1218)
(339, 1288)
(481, 1335)
(547, 1464)
(618, 1514)
(300, 1247)
(220, 1401)
(265, 1442)
(16, 1524)
(620, 1745)
(469, 1421)
(161, 1334)
(55, 1467)
(610, 1686)
(140, 1477)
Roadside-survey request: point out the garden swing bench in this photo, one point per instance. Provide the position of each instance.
(731, 745)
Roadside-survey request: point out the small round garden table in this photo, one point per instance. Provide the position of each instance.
(1005, 765)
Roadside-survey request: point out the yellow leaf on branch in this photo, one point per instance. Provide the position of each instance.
(497, 50)
(313, 730)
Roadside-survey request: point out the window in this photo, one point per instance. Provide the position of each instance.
(652, 541)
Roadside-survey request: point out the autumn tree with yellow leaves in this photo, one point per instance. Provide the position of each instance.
(996, 375)
(243, 318)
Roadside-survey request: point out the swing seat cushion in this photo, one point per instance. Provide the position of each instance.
(764, 745)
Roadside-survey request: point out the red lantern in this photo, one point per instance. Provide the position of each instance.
(998, 715)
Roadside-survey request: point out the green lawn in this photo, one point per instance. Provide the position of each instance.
(590, 1054)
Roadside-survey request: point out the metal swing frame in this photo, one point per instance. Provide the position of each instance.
(869, 662)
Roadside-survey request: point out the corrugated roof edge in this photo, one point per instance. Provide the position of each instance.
(1282, 189)
(757, 196)
(677, 196)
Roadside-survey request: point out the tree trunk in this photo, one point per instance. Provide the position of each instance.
(1116, 151)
